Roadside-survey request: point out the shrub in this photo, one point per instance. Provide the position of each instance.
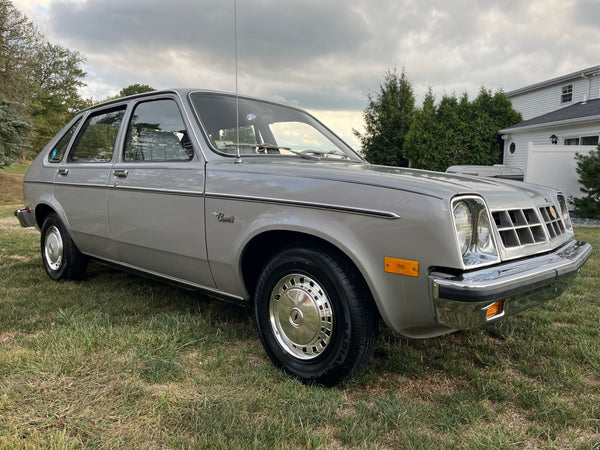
(588, 169)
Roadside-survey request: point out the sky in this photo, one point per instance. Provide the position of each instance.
(326, 56)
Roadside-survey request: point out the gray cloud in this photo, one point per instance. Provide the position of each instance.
(327, 55)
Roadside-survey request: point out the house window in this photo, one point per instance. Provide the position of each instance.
(512, 148)
(567, 94)
(589, 140)
(571, 141)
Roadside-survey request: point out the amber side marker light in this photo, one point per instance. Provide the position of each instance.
(402, 266)
(494, 310)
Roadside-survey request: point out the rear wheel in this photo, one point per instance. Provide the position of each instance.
(315, 317)
(62, 259)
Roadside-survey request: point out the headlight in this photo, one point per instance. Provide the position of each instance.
(562, 201)
(474, 232)
(463, 221)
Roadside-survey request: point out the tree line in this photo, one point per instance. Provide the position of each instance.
(438, 134)
(39, 84)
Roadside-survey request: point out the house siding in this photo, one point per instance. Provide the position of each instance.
(541, 136)
(536, 103)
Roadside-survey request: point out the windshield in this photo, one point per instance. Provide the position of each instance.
(266, 129)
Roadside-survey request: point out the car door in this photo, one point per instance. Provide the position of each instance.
(82, 177)
(156, 196)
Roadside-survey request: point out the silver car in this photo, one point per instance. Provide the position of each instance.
(259, 203)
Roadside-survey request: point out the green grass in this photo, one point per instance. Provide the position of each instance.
(121, 361)
(19, 167)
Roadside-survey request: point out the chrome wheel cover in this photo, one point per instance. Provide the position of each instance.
(53, 248)
(301, 316)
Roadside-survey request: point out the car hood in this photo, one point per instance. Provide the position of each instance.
(498, 193)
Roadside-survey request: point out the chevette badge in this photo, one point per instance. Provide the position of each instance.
(553, 212)
(221, 217)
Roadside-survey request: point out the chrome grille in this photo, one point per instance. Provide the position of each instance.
(518, 227)
(553, 221)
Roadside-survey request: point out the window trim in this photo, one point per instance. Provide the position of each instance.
(67, 158)
(128, 119)
(566, 95)
(75, 124)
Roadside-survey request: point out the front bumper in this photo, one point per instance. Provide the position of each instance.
(462, 302)
(26, 217)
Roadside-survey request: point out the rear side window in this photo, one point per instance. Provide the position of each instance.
(156, 132)
(96, 140)
(57, 153)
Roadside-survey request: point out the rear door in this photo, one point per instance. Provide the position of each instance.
(82, 177)
(156, 195)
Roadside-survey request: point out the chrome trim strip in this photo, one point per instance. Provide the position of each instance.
(302, 204)
(82, 185)
(157, 191)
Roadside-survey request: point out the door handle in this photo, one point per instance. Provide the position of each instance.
(63, 172)
(121, 173)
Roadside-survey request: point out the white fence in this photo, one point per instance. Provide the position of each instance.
(554, 166)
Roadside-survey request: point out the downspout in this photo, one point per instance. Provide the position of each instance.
(589, 86)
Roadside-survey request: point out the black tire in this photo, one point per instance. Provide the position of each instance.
(315, 316)
(62, 259)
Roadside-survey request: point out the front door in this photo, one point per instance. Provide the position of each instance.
(156, 196)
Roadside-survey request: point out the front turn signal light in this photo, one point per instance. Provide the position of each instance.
(494, 310)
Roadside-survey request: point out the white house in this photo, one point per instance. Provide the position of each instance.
(561, 118)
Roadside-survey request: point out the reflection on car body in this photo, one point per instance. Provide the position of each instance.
(269, 208)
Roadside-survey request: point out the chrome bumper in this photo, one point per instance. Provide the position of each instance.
(461, 302)
(26, 217)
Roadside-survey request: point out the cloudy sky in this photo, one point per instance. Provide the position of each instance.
(322, 55)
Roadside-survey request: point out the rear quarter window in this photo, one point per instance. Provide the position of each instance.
(57, 153)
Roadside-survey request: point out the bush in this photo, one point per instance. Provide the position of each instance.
(588, 169)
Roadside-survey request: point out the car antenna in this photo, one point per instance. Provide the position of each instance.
(238, 159)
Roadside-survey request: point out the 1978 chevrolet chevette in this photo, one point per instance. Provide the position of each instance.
(259, 203)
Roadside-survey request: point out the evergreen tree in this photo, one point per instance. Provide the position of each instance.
(458, 131)
(13, 133)
(420, 144)
(588, 169)
(387, 118)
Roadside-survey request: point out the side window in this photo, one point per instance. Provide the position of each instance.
(156, 132)
(96, 140)
(60, 148)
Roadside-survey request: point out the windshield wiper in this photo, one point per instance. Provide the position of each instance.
(265, 147)
(312, 151)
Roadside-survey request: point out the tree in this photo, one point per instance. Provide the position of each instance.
(588, 169)
(135, 89)
(13, 134)
(55, 80)
(422, 134)
(388, 117)
(40, 79)
(458, 131)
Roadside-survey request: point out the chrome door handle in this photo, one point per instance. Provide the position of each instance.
(63, 171)
(121, 173)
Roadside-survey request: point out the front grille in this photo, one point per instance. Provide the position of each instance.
(519, 227)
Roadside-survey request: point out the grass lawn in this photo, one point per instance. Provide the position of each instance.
(122, 361)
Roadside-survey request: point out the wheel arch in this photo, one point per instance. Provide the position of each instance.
(262, 247)
(41, 212)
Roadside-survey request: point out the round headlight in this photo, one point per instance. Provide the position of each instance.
(484, 233)
(464, 226)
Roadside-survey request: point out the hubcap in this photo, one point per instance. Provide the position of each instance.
(301, 316)
(53, 248)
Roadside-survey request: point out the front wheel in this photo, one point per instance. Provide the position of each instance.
(62, 259)
(315, 317)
